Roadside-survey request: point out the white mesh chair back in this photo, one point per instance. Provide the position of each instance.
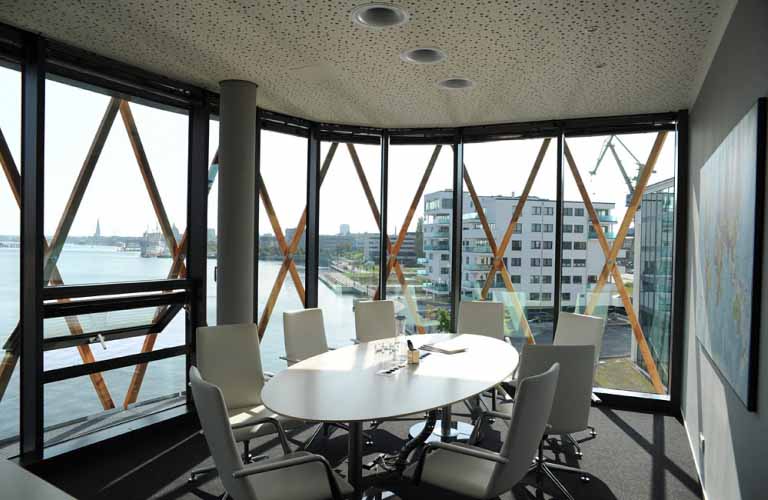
(530, 412)
(374, 320)
(304, 334)
(580, 329)
(482, 318)
(212, 412)
(570, 411)
(228, 356)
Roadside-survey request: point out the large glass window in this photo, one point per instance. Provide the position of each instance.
(282, 238)
(620, 192)
(419, 219)
(115, 211)
(10, 143)
(507, 231)
(213, 218)
(349, 234)
(67, 417)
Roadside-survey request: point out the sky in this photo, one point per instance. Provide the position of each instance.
(117, 198)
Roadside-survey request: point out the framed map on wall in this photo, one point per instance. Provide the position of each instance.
(730, 247)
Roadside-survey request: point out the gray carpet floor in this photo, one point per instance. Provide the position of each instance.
(635, 456)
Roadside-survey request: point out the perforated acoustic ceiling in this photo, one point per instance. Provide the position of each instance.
(530, 59)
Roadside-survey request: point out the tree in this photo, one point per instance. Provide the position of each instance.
(443, 321)
(420, 237)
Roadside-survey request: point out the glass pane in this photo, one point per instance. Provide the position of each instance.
(613, 170)
(349, 237)
(421, 287)
(10, 128)
(213, 218)
(115, 233)
(284, 175)
(498, 173)
(72, 407)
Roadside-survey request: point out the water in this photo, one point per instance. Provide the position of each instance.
(79, 264)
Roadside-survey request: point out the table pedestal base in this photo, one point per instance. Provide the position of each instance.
(459, 431)
(377, 494)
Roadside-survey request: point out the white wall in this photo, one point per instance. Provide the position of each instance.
(734, 463)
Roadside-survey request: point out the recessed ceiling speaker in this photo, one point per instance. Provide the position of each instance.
(423, 55)
(379, 15)
(455, 83)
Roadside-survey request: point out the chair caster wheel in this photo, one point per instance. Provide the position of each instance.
(368, 442)
(191, 479)
(491, 420)
(579, 454)
(584, 479)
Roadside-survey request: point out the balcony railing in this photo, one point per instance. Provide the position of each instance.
(477, 248)
(477, 267)
(437, 246)
(436, 287)
(608, 218)
(608, 234)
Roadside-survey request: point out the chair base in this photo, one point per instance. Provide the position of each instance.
(544, 468)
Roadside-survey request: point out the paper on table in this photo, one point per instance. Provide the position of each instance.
(443, 348)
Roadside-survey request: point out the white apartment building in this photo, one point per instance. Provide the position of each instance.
(530, 255)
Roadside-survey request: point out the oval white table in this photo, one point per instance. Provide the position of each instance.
(344, 386)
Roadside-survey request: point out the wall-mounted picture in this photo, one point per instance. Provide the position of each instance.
(731, 193)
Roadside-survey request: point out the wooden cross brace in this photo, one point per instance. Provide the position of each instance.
(52, 251)
(504, 274)
(612, 251)
(287, 249)
(394, 250)
(376, 215)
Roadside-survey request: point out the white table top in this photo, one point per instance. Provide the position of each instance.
(343, 385)
(16, 482)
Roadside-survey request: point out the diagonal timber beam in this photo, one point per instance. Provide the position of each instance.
(608, 251)
(10, 170)
(642, 182)
(410, 302)
(10, 357)
(146, 174)
(492, 243)
(287, 249)
(395, 250)
(498, 261)
(177, 271)
(81, 183)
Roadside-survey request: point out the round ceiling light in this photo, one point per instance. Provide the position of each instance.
(379, 15)
(423, 55)
(455, 83)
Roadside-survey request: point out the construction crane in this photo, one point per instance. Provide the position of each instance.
(609, 145)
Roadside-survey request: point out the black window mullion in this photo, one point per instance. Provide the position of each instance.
(32, 252)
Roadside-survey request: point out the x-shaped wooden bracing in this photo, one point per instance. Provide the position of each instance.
(498, 251)
(612, 251)
(289, 249)
(53, 250)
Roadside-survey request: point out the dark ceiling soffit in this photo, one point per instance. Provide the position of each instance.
(11, 44)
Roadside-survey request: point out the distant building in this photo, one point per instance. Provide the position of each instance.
(530, 255)
(344, 230)
(652, 292)
(97, 233)
(211, 235)
(407, 256)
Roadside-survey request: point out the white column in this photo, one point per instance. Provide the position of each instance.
(237, 197)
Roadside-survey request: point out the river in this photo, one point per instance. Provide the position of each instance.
(80, 264)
